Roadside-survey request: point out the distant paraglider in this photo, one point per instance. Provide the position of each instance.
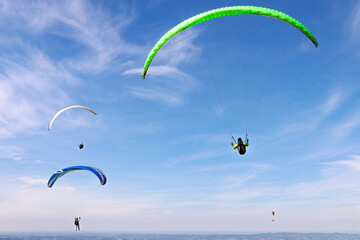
(65, 109)
(64, 171)
(77, 223)
(81, 146)
(273, 213)
(241, 146)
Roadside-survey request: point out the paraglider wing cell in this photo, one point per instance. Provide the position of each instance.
(64, 171)
(220, 12)
(65, 109)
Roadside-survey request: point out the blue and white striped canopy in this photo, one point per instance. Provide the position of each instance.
(64, 171)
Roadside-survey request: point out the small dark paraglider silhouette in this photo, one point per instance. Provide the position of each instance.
(241, 146)
(81, 146)
(77, 223)
(273, 213)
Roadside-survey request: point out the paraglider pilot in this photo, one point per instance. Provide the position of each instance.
(241, 146)
(77, 223)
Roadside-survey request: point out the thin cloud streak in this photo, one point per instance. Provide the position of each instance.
(167, 91)
(311, 119)
(180, 49)
(30, 181)
(353, 163)
(40, 81)
(177, 51)
(344, 128)
(168, 71)
(340, 180)
(355, 22)
(158, 94)
(193, 157)
(11, 152)
(91, 26)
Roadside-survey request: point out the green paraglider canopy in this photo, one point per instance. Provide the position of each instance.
(220, 12)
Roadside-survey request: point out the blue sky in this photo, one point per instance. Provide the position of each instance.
(168, 159)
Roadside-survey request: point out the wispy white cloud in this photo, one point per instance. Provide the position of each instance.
(135, 71)
(339, 180)
(237, 193)
(353, 163)
(311, 119)
(336, 186)
(331, 103)
(102, 33)
(324, 127)
(355, 22)
(324, 150)
(237, 181)
(171, 72)
(29, 181)
(178, 50)
(305, 46)
(11, 152)
(81, 21)
(322, 111)
(168, 91)
(344, 128)
(150, 128)
(30, 88)
(194, 157)
(214, 168)
(158, 94)
(39, 161)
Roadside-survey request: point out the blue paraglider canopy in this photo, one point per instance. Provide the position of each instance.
(64, 171)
